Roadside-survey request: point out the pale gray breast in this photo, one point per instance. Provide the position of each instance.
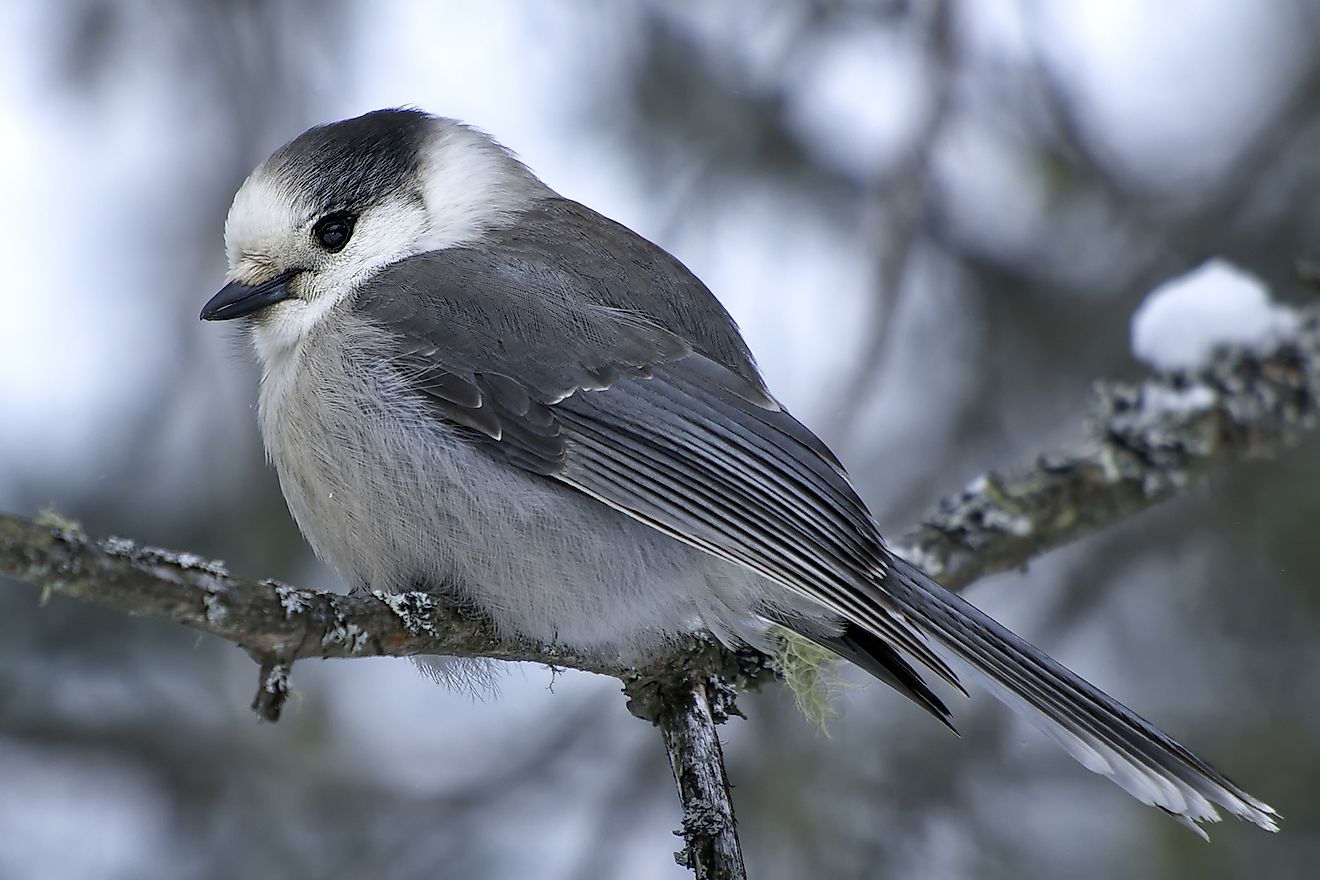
(394, 499)
(321, 415)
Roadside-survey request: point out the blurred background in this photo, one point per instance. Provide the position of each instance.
(934, 222)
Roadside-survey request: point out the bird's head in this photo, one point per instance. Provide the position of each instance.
(334, 206)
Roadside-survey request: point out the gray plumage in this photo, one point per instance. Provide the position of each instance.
(497, 393)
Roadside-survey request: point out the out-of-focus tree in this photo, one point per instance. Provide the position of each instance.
(934, 220)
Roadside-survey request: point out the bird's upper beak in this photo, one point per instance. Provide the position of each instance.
(236, 300)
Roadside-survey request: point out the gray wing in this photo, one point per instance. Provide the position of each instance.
(602, 399)
(607, 402)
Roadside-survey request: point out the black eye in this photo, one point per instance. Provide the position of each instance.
(333, 231)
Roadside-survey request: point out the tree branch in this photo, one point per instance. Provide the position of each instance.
(1145, 443)
(691, 709)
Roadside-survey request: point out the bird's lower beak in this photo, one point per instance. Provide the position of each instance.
(236, 300)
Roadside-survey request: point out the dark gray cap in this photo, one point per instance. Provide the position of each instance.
(354, 162)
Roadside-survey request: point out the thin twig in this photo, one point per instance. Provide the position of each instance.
(691, 709)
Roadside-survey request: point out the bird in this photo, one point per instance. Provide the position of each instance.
(474, 386)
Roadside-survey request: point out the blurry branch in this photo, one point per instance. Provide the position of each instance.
(169, 752)
(1145, 443)
(898, 209)
(684, 93)
(1227, 196)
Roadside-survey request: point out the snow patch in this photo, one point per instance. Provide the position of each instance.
(1184, 320)
(292, 600)
(1162, 400)
(345, 633)
(215, 610)
(415, 610)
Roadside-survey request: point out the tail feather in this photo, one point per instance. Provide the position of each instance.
(1100, 733)
(875, 656)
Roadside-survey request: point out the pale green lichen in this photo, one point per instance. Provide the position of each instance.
(811, 674)
(49, 518)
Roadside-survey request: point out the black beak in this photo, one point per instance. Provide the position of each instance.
(236, 300)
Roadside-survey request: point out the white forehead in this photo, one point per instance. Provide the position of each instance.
(262, 219)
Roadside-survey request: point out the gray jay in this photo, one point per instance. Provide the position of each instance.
(473, 385)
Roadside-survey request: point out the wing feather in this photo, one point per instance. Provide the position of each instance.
(653, 457)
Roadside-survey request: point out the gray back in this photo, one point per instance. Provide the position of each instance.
(623, 270)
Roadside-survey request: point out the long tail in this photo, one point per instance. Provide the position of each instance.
(1103, 735)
